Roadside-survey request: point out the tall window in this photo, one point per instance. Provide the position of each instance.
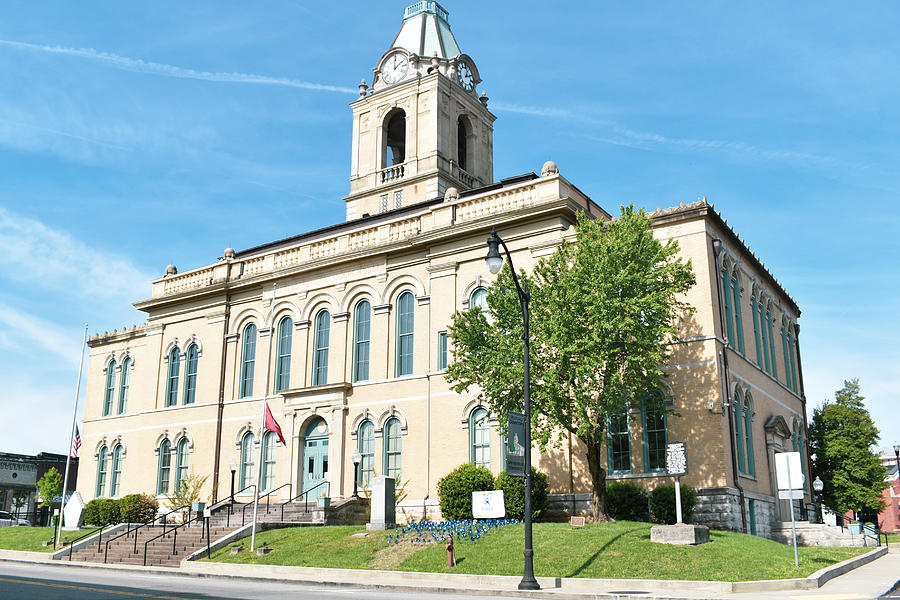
(756, 336)
(366, 448)
(480, 438)
(110, 388)
(362, 319)
(748, 435)
(190, 374)
(101, 472)
(738, 316)
(248, 360)
(320, 354)
(764, 325)
(738, 432)
(268, 462)
(771, 331)
(479, 298)
(165, 466)
(791, 349)
(124, 384)
(395, 138)
(442, 350)
(799, 446)
(174, 369)
(729, 324)
(653, 421)
(392, 446)
(246, 460)
(405, 326)
(619, 444)
(181, 463)
(283, 362)
(461, 146)
(116, 480)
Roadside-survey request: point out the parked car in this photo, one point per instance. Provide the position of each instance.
(8, 520)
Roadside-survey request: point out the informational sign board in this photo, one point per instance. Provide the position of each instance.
(515, 445)
(676, 459)
(790, 494)
(488, 505)
(788, 471)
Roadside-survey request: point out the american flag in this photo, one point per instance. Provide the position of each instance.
(76, 443)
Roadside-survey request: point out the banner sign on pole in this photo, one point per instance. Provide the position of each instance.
(676, 459)
(515, 450)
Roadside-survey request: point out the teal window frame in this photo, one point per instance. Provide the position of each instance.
(246, 474)
(267, 477)
(283, 354)
(748, 435)
(362, 333)
(478, 298)
(321, 340)
(100, 485)
(738, 314)
(393, 449)
(115, 478)
(124, 386)
(480, 437)
(248, 360)
(192, 357)
(442, 351)
(737, 408)
(181, 462)
(618, 449)
(756, 338)
(164, 470)
(765, 336)
(792, 349)
(174, 374)
(406, 304)
(771, 327)
(110, 392)
(729, 324)
(365, 445)
(654, 439)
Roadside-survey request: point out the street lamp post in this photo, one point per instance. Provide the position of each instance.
(356, 460)
(233, 466)
(818, 486)
(494, 262)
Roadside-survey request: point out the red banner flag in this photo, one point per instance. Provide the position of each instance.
(272, 425)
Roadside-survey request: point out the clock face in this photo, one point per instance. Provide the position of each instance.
(465, 76)
(395, 67)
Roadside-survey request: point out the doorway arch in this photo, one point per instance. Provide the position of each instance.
(315, 456)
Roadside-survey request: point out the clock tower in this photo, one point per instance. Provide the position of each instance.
(421, 127)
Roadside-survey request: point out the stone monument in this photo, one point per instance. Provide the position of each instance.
(73, 513)
(383, 510)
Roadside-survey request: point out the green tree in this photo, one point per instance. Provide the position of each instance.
(841, 437)
(601, 312)
(49, 487)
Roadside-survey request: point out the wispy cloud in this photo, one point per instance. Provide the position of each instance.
(153, 68)
(24, 330)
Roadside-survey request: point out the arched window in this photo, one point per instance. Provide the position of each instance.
(655, 436)
(174, 369)
(124, 384)
(110, 388)
(181, 463)
(461, 143)
(405, 327)
(366, 448)
(738, 316)
(748, 435)
(799, 446)
(791, 350)
(246, 460)
(320, 352)
(268, 462)
(480, 438)
(165, 465)
(190, 374)
(248, 360)
(619, 451)
(771, 329)
(729, 324)
(478, 298)
(756, 335)
(738, 432)
(116, 479)
(764, 325)
(395, 138)
(392, 445)
(362, 331)
(101, 472)
(283, 362)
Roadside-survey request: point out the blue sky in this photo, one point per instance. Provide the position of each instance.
(137, 135)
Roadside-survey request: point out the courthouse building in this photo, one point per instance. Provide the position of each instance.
(344, 330)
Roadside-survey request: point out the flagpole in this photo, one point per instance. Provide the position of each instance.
(62, 503)
(262, 423)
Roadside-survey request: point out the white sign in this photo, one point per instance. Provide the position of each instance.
(488, 505)
(788, 471)
(790, 494)
(676, 459)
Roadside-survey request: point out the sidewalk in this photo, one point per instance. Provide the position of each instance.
(871, 580)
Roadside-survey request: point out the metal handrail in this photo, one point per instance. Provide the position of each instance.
(174, 532)
(145, 524)
(267, 494)
(304, 495)
(231, 503)
(87, 535)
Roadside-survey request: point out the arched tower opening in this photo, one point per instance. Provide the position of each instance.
(462, 142)
(394, 138)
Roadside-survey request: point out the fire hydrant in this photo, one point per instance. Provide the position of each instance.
(450, 561)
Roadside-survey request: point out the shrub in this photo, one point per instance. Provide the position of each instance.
(514, 493)
(455, 490)
(92, 512)
(627, 500)
(138, 508)
(102, 511)
(662, 503)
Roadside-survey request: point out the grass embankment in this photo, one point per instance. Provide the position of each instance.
(27, 538)
(621, 550)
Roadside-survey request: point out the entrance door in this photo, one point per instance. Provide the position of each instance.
(315, 458)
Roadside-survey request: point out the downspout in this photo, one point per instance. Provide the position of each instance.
(221, 408)
(717, 247)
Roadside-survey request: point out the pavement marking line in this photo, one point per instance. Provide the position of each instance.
(83, 588)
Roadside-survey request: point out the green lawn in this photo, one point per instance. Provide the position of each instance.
(617, 550)
(27, 538)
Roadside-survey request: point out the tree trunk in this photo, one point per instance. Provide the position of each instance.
(599, 510)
